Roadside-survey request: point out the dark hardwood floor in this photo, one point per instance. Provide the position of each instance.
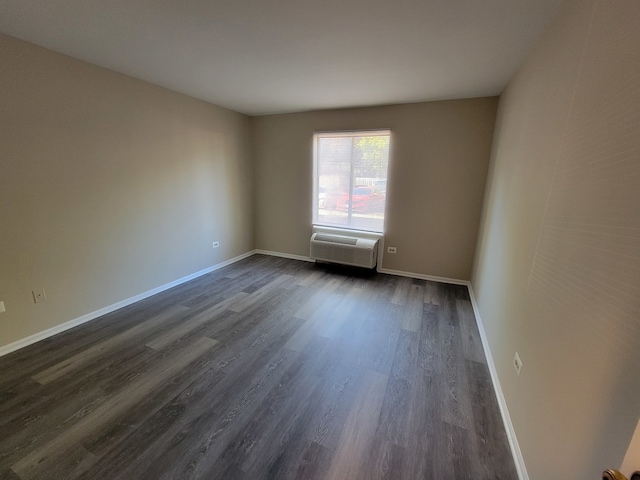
(268, 368)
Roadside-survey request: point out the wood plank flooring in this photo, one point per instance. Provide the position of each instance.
(267, 369)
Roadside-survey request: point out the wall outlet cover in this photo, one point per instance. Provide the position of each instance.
(517, 363)
(39, 295)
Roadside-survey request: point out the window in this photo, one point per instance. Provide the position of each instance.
(350, 179)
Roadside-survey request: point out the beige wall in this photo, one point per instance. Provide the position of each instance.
(439, 160)
(557, 269)
(109, 187)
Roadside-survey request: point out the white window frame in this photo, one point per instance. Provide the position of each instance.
(348, 133)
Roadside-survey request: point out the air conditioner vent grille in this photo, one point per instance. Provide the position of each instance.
(336, 239)
(352, 250)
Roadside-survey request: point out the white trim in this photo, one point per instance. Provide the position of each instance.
(31, 339)
(399, 273)
(317, 135)
(421, 276)
(284, 255)
(502, 402)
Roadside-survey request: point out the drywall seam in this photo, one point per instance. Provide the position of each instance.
(502, 402)
(562, 140)
(432, 278)
(31, 339)
(284, 255)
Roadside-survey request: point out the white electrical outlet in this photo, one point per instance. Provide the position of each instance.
(517, 363)
(216, 244)
(39, 295)
(391, 250)
(2, 309)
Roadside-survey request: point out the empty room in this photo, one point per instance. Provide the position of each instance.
(320, 240)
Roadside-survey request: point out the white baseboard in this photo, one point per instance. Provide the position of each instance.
(502, 403)
(421, 276)
(433, 278)
(504, 411)
(506, 418)
(31, 339)
(284, 255)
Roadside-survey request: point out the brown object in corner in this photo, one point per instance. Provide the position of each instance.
(613, 475)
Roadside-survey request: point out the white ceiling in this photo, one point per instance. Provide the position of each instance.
(261, 56)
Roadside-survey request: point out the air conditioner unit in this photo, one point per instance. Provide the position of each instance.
(347, 250)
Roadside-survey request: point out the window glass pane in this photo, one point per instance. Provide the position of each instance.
(351, 179)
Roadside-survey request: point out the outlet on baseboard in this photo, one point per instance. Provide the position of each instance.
(391, 250)
(517, 363)
(216, 244)
(39, 295)
(2, 309)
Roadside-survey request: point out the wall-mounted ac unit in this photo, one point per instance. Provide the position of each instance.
(347, 250)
